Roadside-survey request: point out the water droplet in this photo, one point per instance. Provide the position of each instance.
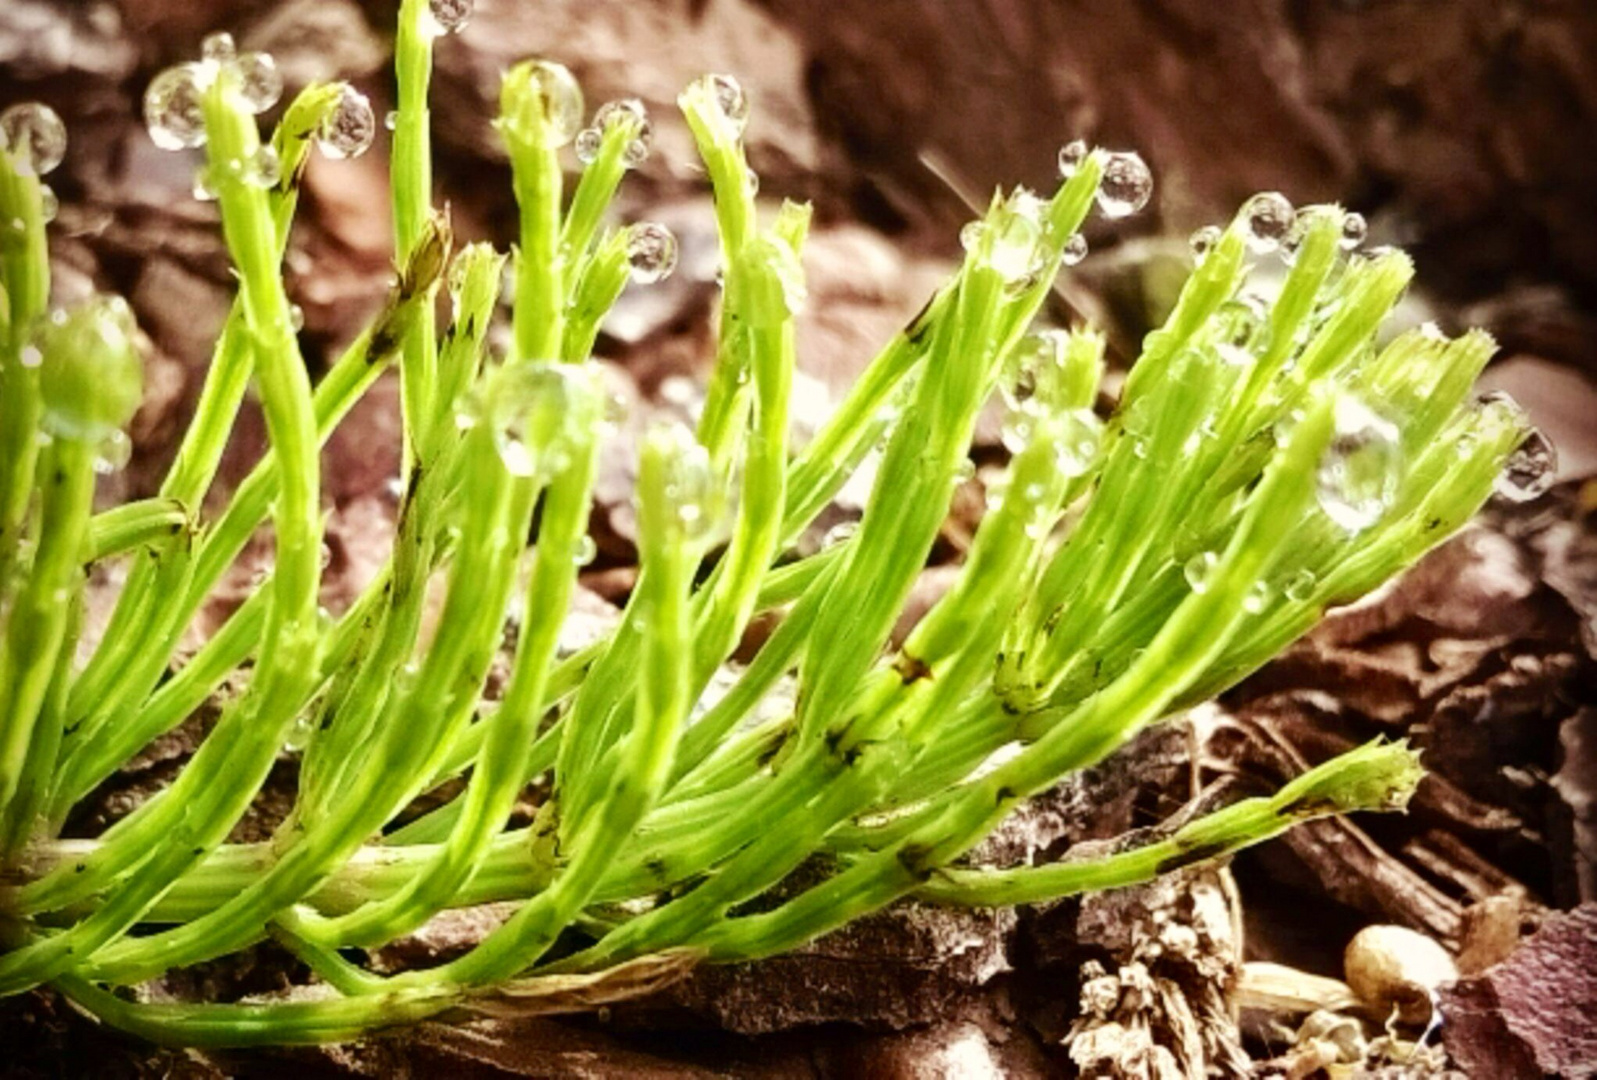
(1071, 155)
(651, 252)
(218, 48)
(1075, 250)
(264, 169)
(1530, 470)
(840, 533)
(1078, 443)
(1198, 569)
(1257, 598)
(623, 110)
(1359, 472)
(586, 550)
(296, 317)
(260, 83)
(30, 356)
(49, 204)
(1300, 586)
(298, 734)
(204, 188)
(391, 119)
(1014, 252)
(451, 16)
(173, 111)
(1267, 219)
(587, 145)
(558, 105)
(730, 99)
(752, 179)
(349, 129)
(112, 453)
(1126, 186)
(1203, 240)
(1017, 430)
(1354, 229)
(964, 471)
(34, 137)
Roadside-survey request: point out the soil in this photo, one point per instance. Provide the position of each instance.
(1464, 131)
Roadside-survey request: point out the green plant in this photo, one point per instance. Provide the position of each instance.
(1265, 460)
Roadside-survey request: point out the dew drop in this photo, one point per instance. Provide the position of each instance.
(1300, 586)
(451, 16)
(264, 169)
(1078, 443)
(1198, 569)
(1267, 220)
(1071, 155)
(1359, 472)
(218, 48)
(173, 111)
(1202, 241)
(204, 188)
(1126, 186)
(1074, 251)
(1530, 470)
(1014, 253)
(30, 356)
(651, 252)
(730, 100)
(559, 100)
(112, 453)
(1354, 230)
(296, 317)
(623, 110)
(34, 136)
(1257, 598)
(391, 119)
(260, 83)
(585, 551)
(49, 204)
(587, 145)
(349, 128)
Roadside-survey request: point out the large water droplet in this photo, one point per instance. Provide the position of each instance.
(1198, 569)
(1359, 472)
(1267, 220)
(1074, 251)
(173, 111)
(260, 83)
(34, 137)
(1530, 470)
(49, 204)
(451, 16)
(651, 252)
(112, 452)
(1071, 155)
(1126, 186)
(559, 100)
(349, 128)
(1257, 598)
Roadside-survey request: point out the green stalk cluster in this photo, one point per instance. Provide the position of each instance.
(1270, 456)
